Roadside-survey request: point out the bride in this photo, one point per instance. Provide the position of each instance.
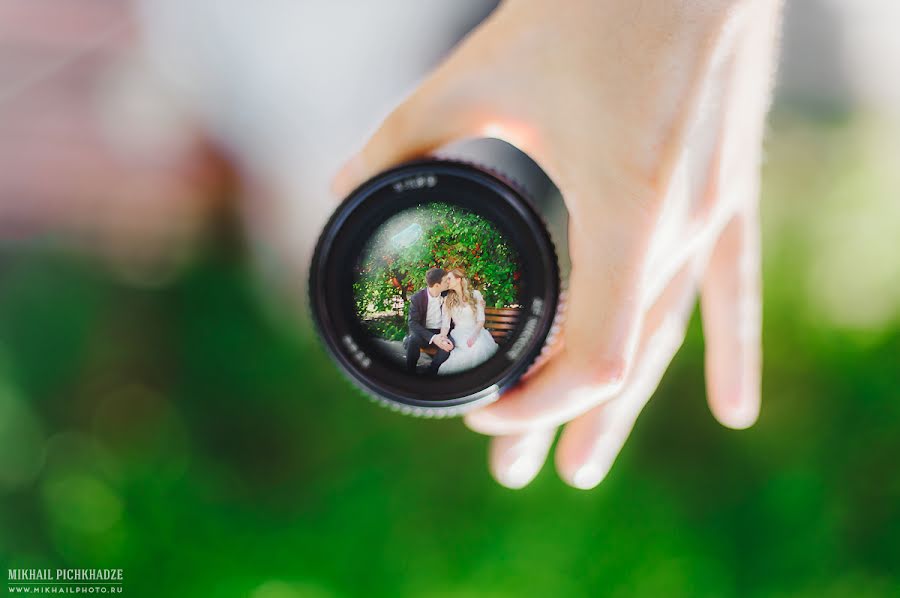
(472, 342)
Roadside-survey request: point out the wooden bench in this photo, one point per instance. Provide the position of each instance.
(499, 321)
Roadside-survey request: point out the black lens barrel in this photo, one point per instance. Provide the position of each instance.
(474, 189)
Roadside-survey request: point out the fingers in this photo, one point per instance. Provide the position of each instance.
(603, 320)
(732, 320)
(594, 440)
(529, 405)
(515, 460)
(437, 113)
(590, 444)
(730, 297)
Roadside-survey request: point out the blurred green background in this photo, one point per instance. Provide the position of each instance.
(195, 437)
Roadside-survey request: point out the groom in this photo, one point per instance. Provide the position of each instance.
(425, 314)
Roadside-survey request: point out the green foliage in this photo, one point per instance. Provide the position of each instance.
(392, 328)
(437, 235)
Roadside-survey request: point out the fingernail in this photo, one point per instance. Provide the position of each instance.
(587, 477)
(517, 469)
(741, 402)
(744, 412)
(348, 177)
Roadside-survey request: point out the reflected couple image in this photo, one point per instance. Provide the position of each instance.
(447, 318)
(436, 289)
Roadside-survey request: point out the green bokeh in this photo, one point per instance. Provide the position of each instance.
(209, 448)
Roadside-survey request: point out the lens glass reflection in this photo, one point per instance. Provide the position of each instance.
(437, 287)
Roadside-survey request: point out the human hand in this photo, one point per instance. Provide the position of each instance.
(445, 343)
(471, 340)
(649, 117)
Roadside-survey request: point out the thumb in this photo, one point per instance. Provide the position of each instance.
(436, 113)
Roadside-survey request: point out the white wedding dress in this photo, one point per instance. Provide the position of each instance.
(463, 357)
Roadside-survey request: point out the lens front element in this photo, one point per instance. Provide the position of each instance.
(434, 286)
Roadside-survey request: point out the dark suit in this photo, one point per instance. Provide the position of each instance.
(419, 335)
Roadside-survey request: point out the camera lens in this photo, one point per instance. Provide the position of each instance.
(435, 285)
